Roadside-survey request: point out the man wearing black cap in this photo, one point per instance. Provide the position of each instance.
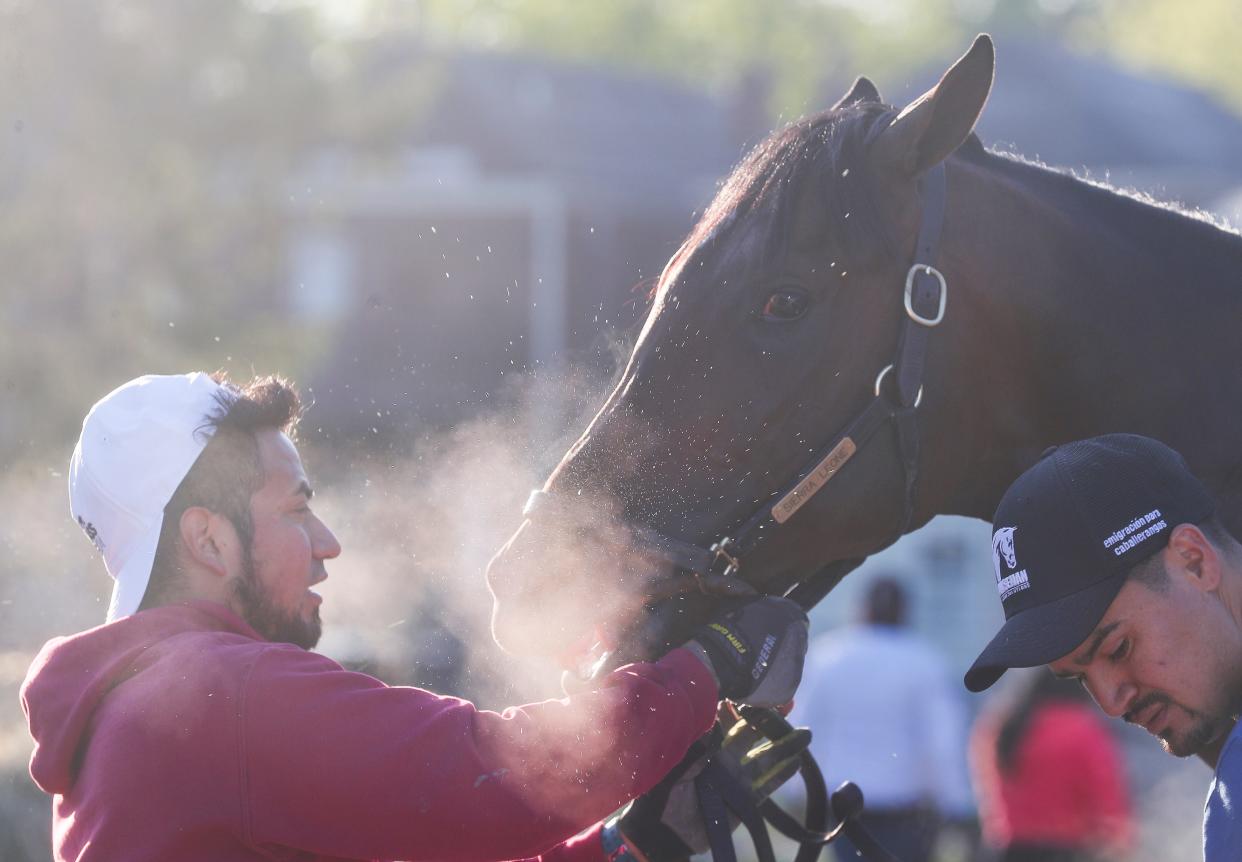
(1113, 570)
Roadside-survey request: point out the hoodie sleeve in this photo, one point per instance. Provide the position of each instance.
(339, 764)
(587, 847)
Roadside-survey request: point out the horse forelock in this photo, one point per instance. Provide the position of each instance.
(826, 150)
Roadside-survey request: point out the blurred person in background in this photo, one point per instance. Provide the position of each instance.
(883, 714)
(1114, 570)
(195, 724)
(1050, 777)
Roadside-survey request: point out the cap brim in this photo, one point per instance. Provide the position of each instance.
(132, 579)
(1043, 634)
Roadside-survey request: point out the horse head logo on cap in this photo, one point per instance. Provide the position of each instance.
(1002, 546)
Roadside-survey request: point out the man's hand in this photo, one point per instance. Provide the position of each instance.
(665, 824)
(756, 651)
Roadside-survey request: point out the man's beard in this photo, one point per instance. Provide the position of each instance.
(1204, 728)
(274, 623)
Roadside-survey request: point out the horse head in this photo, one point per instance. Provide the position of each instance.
(769, 330)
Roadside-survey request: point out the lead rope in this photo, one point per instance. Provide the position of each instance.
(720, 794)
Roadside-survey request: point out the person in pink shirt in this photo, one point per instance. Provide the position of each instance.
(1051, 778)
(195, 724)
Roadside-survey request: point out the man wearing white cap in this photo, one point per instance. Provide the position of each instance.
(196, 725)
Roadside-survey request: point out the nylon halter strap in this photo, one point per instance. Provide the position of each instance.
(925, 297)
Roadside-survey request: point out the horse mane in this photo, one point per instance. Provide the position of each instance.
(1134, 212)
(826, 149)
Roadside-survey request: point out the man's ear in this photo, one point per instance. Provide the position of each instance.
(1191, 552)
(209, 541)
(931, 127)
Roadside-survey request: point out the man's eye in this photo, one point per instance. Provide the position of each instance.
(1120, 652)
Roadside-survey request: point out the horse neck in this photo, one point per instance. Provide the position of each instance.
(1080, 311)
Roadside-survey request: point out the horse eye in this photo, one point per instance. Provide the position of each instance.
(785, 304)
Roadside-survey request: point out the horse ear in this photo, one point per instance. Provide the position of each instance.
(862, 91)
(931, 127)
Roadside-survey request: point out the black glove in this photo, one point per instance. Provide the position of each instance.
(665, 822)
(757, 651)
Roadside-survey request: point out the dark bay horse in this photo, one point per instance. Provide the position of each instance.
(1072, 310)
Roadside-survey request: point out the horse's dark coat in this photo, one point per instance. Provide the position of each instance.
(1073, 310)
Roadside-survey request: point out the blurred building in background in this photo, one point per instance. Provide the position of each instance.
(535, 206)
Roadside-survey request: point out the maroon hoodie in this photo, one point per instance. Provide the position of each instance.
(180, 734)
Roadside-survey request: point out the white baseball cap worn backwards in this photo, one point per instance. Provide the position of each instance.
(137, 445)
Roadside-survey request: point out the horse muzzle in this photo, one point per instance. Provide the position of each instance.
(559, 584)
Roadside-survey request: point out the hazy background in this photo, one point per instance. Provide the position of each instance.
(441, 218)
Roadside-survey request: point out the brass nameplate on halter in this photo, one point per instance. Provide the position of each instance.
(815, 480)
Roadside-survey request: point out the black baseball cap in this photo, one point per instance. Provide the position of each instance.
(1066, 534)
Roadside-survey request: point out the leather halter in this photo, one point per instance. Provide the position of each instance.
(897, 400)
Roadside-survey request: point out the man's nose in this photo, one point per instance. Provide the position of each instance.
(1114, 693)
(326, 546)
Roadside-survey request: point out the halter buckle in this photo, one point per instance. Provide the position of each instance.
(944, 294)
(721, 550)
